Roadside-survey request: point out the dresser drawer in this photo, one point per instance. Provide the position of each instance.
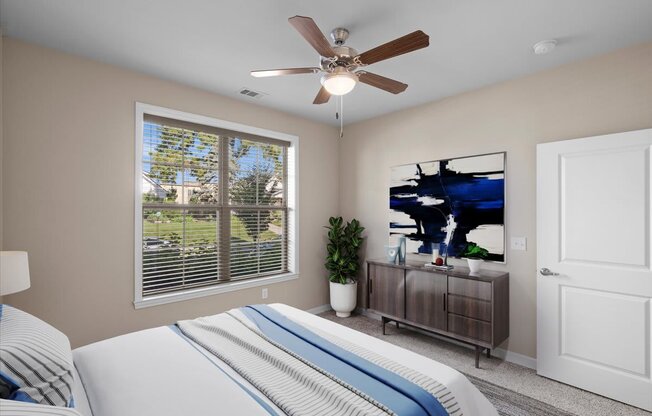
(469, 288)
(471, 308)
(470, 328)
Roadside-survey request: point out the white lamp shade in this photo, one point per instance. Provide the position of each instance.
(14, 272)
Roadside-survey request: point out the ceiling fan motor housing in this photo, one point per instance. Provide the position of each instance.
(345, 55)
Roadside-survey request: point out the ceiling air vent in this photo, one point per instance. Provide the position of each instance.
(251, 93)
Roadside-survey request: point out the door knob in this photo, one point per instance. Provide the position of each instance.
(547, 272)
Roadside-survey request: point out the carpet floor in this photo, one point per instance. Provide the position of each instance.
(514, 390)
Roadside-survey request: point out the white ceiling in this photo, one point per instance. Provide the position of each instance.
(213, 44)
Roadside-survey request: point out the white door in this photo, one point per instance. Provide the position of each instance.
(593, 230)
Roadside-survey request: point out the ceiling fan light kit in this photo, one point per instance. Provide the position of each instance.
(339, 82)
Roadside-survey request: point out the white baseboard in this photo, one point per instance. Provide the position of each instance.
(503, 354)
(516, 358)
(319, 309)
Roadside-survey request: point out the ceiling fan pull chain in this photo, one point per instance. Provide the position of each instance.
(337, 110)
(341, 116)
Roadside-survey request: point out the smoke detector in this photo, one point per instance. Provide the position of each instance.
(544, 47)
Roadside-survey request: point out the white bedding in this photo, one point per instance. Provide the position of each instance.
(79, 395)
(156, 372)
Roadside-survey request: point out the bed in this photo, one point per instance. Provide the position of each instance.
(185, 370)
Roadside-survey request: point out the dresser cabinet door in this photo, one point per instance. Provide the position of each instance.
(386, 286)
(426, 299)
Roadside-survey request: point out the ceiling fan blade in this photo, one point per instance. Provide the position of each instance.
(381, 82)
(322, 96)
(310, 32)
(404, 44)
(284, 71)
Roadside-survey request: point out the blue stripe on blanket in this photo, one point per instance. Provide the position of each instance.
(400, 395)
(260, 401)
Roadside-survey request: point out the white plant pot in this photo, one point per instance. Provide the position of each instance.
(474, 265)
(343, 298)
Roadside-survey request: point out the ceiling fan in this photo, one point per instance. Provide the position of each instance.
(341, 64)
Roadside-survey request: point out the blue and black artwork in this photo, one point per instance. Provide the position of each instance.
(461, 200)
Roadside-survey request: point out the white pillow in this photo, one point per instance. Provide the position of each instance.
(35, 360)
(14, 408)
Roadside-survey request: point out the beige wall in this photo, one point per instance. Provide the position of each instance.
(69, 128)
(1, 141)
(607, 94)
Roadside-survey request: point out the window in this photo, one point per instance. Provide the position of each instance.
(215, 206)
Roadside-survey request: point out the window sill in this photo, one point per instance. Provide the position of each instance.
(212, 290)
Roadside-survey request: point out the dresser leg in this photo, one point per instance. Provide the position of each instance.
(478, 350)
(488, 352)
(397, 325)
(382, 318)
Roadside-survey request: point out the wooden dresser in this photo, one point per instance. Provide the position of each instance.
(471, 309)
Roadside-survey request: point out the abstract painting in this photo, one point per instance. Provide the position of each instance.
(450, 202)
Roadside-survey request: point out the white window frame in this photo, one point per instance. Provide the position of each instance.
(292, 208)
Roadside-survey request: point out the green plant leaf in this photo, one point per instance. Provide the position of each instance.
(344, 242)
(474, 251)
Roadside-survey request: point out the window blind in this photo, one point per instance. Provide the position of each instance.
(214, 206)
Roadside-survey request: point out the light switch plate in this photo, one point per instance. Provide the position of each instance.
(264, 293)
(519, 243)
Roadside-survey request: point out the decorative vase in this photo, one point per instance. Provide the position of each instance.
(343, 298)
(391, 252)
(474, 265)
(401, 250)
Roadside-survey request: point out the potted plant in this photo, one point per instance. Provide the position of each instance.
(342, 263)
(474, 255)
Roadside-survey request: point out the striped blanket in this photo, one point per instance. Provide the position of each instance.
(304, 371)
